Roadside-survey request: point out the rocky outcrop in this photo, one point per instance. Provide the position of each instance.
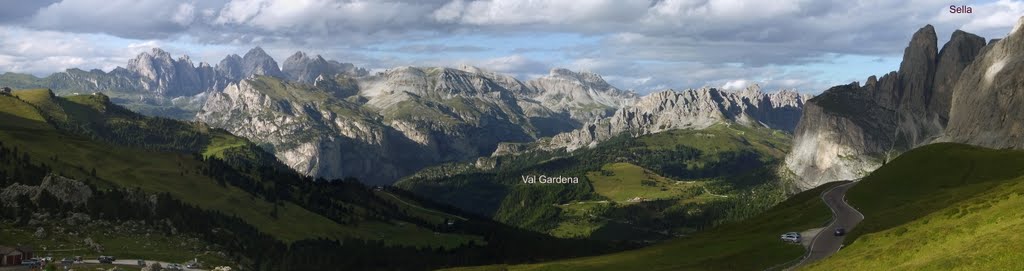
(989, 96)
(689, 109)
(850, 130)
(63, 189)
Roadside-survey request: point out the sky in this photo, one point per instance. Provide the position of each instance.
(643, 45)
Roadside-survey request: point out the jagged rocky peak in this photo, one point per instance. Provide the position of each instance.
(258, 62)
(917, 70)
(231, 67)
(752, 90)
(151, 64)
(954, 57)
(302, 68)
(166, 76)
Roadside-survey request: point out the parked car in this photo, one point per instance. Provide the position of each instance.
(142, 263)
(106, 259)
(791, 237)
(173, 267)
(67, 261)
(840, 232)
(31, 262)
(192, 265)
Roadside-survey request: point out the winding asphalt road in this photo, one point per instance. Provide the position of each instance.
(844, 216)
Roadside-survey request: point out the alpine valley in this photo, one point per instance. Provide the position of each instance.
(317, 164)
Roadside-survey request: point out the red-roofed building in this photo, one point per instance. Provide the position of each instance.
(14, 255)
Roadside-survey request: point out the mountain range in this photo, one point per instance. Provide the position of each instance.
(330, 119)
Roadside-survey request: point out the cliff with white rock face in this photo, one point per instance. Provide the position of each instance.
(850, 130)
(988, 99)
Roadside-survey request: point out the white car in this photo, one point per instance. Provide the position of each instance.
(791, 237)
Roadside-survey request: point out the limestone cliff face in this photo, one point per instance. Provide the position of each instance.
(850, 130)
(314, 135)
(988, 98)
(689, 109)
(842, 135)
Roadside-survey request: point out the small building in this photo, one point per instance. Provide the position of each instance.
(5, 90)
(14, 255)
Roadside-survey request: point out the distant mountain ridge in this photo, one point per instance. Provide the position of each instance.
(330, 119)
(156, 79)
(688, 109)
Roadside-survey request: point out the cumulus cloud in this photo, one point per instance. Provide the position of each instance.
(641, 44)
(515, 64)
(515, 12)
(321, 16)
(736, 84)
(44, 52)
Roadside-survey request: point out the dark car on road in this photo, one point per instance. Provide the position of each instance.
(106, 259)
(840, 232)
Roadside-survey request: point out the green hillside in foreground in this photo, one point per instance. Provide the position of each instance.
(751, 244)
(44, 125)
(939, 207)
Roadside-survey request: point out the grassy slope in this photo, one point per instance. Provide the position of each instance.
(177, 174)
(939, 207)
(621, 183)
(624, 181)
(722, 138)
(751, 244)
